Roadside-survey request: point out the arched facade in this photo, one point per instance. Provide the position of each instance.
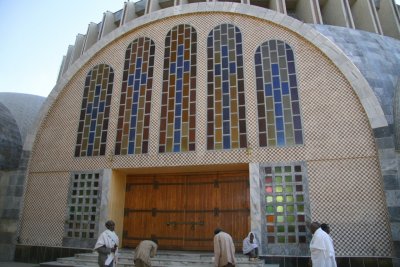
(243, 97)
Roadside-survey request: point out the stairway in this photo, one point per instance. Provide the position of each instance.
(163, 259)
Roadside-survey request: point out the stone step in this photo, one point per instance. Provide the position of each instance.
(163, 259)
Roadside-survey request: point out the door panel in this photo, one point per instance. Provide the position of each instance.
(183, 210)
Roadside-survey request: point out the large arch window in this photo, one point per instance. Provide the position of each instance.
(226, 115)
(178, 105)
(135, 103)
(279, 119)
(95, 111)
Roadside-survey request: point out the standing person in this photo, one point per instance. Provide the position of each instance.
(107, 246)
(224, 249)
(326, 228)
(250, 246)
(321, 247)
(144, 251)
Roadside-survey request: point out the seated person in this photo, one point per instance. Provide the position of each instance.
(250, 246)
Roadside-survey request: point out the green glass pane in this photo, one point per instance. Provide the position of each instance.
(288, 179)
(290, 219)
(281, 229)
(281, 239)
(289, 189)
(289, 199)
(291, 228)
(278, 179)
(269, 199)
(300, 198)
(279, 199)
(278, 169)
(288, 168)
(278, 189)
(279, 208)
(300, 208)
(290, 208)
(270, 209)
(280, 219)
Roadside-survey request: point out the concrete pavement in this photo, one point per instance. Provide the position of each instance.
(18, 264)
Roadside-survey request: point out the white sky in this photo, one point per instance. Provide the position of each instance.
(34, 36)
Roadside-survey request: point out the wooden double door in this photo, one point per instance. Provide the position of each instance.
(182, 210)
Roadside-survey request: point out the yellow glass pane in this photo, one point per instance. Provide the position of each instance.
(218, 121)
(232, 80)
(234, 119)
(218, 108)
(271, 132)
(269, 199)
(279, 208)
(279, 198)
(270, 103)
(289, 199)
(218, 146)
(140, 114)
(234, 105)
(170, 130)
(185, 129)
(235, 134)
(169, 144)
(138, 140)
(278, 189)
(233, 92)
(235, 145)
(124, 141)
(170, 117)
(218, 94)
(218, 135)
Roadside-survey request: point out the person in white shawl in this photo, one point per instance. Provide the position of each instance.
(321, 248)
(250, 246)
(107, 246)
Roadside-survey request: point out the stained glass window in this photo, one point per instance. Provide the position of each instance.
(95, 111)
(279, 119)
(226, 114)
(135, 103)
(178, 104)
(286, 208)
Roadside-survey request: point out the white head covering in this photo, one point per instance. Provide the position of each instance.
(247, 246)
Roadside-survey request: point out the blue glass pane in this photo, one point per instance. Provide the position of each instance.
(295, 108)
(176, 148)
(179, 85)
(186, 65)
(225, 62)
(89, 150)
(180, 61)
(101, 107)
(173, 68)
(275, 69)
(143, 79)
(278, 109)
(96, 101)
(92, 125)
(225, 100)
(98, 88)
(239, 49)
(135, 96)
(225, 87)
(238, 37)
(298, 137)
(177, 136)
(268, 89)
(225, 113)
(178, 97)
(289, 55)
(180, 50)
(130, 79)
(178, 123)
(239, 60)
(225, 75)
(137, 84)
(178, 110)
(94, 114)
(89, 108)
(138, 62)
(224, 51)
(227, 142)
(137, 73)
(132, 134)
(258, 57)
(133, 121)
(280, 136)
(179, 73)
(293, 81)
(279, 123)
(226, 127)
(217, 69)
(91, 137)
(291, 67)
(297, 122)
(134, 108)
(277, 96)
(232, 67)
(276, 82)
(131, 147)
(259, 71)
(285, 88)
(210, 40)
(294, 94)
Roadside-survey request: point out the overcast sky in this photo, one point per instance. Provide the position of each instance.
(35, 36)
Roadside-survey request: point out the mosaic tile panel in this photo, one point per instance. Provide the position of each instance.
(178, 106)
(278, 105)
(135, 102)
(95, 111)
(226, 113)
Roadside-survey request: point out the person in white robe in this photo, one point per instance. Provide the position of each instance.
(224, 249)
(146, 250)
(107, 246)
(321, 248)
(250, 246)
